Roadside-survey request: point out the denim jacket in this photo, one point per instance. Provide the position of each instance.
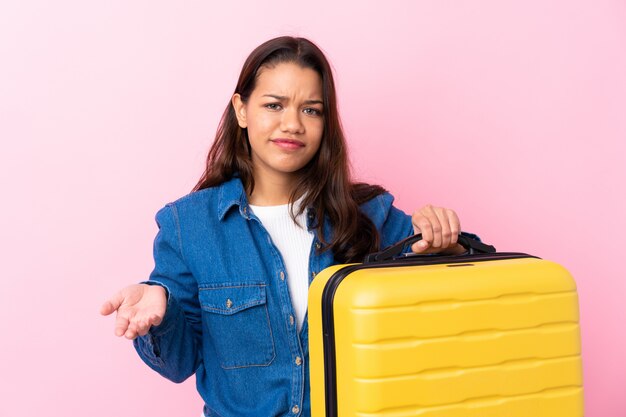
(229, 316)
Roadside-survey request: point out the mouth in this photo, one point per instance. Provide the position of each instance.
(286, 143)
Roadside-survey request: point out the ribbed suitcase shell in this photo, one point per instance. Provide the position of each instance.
(469, 338)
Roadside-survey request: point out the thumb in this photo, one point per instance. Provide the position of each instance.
(420, 246)
(155, 319)
(111, 304)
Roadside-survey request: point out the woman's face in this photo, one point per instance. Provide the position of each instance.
(284, 118)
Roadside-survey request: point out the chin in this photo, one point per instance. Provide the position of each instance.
(291, 168)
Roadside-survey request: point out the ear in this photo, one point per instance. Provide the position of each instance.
(240, 110)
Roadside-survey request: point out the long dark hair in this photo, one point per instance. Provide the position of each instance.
(325, 181)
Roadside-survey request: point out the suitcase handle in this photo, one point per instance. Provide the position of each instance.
(472, 245)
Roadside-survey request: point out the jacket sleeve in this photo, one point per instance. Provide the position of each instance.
(396, 224)
(173, 347)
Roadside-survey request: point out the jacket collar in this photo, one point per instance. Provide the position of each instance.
(232, 194)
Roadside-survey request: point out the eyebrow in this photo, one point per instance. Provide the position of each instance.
(285, 98)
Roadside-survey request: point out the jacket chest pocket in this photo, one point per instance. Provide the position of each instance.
(236, 318)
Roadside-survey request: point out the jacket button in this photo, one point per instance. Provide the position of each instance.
(295, 409)
(298, 360)
(291, 320)
(229, 303)
(318, 246)
(313, 274)
(282, 276)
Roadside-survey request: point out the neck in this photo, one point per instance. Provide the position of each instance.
(271, 189)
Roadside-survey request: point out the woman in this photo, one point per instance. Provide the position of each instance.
(233, 259)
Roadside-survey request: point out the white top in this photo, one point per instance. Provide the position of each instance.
(294, 244)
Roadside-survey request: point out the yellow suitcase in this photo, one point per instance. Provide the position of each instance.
(485, 334)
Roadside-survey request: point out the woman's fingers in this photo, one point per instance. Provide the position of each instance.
(455, 226)
(141, 326)
(443, 233)
(144, 326)
(107, 308)
(425, 221)
(430, 213)
(155, 320)
(138, 308)
(439, 228)
(112, 304)
(423, 225)
(121, 324)
(131, 332)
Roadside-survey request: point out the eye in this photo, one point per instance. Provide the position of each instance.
(273, 106)
(312, 111)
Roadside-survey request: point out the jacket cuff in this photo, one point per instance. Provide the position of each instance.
(172, 312)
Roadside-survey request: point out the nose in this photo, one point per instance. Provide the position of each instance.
(291, 121)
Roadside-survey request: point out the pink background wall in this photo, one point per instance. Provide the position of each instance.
(513, 113)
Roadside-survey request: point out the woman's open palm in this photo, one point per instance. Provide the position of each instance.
(138, 307)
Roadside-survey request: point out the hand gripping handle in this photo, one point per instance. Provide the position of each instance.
(472, 245)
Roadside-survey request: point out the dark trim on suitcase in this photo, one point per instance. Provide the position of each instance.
(328, 295)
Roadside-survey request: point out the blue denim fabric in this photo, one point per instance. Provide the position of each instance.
(228, 309)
